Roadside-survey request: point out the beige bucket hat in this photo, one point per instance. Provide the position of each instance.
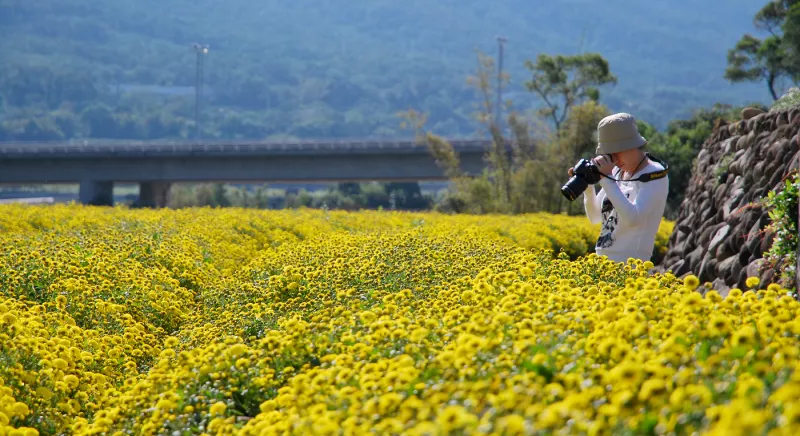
(617, 133)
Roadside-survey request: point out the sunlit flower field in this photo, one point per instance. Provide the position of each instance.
(203, 321)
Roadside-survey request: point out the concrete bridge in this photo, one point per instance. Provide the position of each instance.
(97, 164)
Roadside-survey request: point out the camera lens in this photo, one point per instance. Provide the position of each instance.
(573, 188)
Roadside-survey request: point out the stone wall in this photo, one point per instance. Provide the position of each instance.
(719, 233)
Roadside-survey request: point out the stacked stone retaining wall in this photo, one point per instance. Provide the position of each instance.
(720, 231)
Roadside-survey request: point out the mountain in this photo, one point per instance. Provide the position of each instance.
(327, 68)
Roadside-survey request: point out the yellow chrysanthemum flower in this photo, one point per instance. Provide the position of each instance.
(752, 282)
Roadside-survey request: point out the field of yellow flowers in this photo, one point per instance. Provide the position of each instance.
(117, 321)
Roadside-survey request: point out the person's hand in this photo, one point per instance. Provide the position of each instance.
(571, 171)
(604, 164)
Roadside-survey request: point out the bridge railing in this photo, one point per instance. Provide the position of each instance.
(96, 147)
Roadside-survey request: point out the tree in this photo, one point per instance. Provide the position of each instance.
(525, 171)
(100, 121)
(791, 35)
(753, 60)
(579, 132)
(349, 188)
(565, 81)
(218, 195)
(407, 195)
(498, 158)
(576, 140)
(442, 151)
(773, 58)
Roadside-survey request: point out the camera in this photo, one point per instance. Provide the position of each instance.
(585, 173)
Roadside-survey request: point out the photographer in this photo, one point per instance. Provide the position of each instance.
(633, 190)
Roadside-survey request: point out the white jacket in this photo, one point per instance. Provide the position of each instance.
(630, 212)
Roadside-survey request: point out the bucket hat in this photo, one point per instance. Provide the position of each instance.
(618, 133)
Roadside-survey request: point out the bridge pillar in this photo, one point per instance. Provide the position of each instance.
(96, 193)
(153, 194)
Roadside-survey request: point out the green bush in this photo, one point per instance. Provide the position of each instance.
(790, 99)
(782, 208)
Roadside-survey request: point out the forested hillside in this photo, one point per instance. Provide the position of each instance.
(323, 68)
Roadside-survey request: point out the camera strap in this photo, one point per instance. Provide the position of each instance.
(647, 177)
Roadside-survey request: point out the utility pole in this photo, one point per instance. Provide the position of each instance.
(500, 41)
(201, 51)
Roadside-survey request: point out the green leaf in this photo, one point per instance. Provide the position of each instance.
(649, 423)
(704, 350)
(542, 370)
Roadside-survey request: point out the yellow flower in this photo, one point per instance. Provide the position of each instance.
(453, 418)
(752, 282)
(743, 337)
(8, 318)
(691, 281)
(44, 393)
(71, 380)
(512, 425)
(791, 415)
(719, 325)
(734, 293)
(20, 409)
(652, 388)
(424, 429)
(217, 408)
(367, 317)
(626, 374)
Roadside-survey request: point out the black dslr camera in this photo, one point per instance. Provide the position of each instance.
(584, 173)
